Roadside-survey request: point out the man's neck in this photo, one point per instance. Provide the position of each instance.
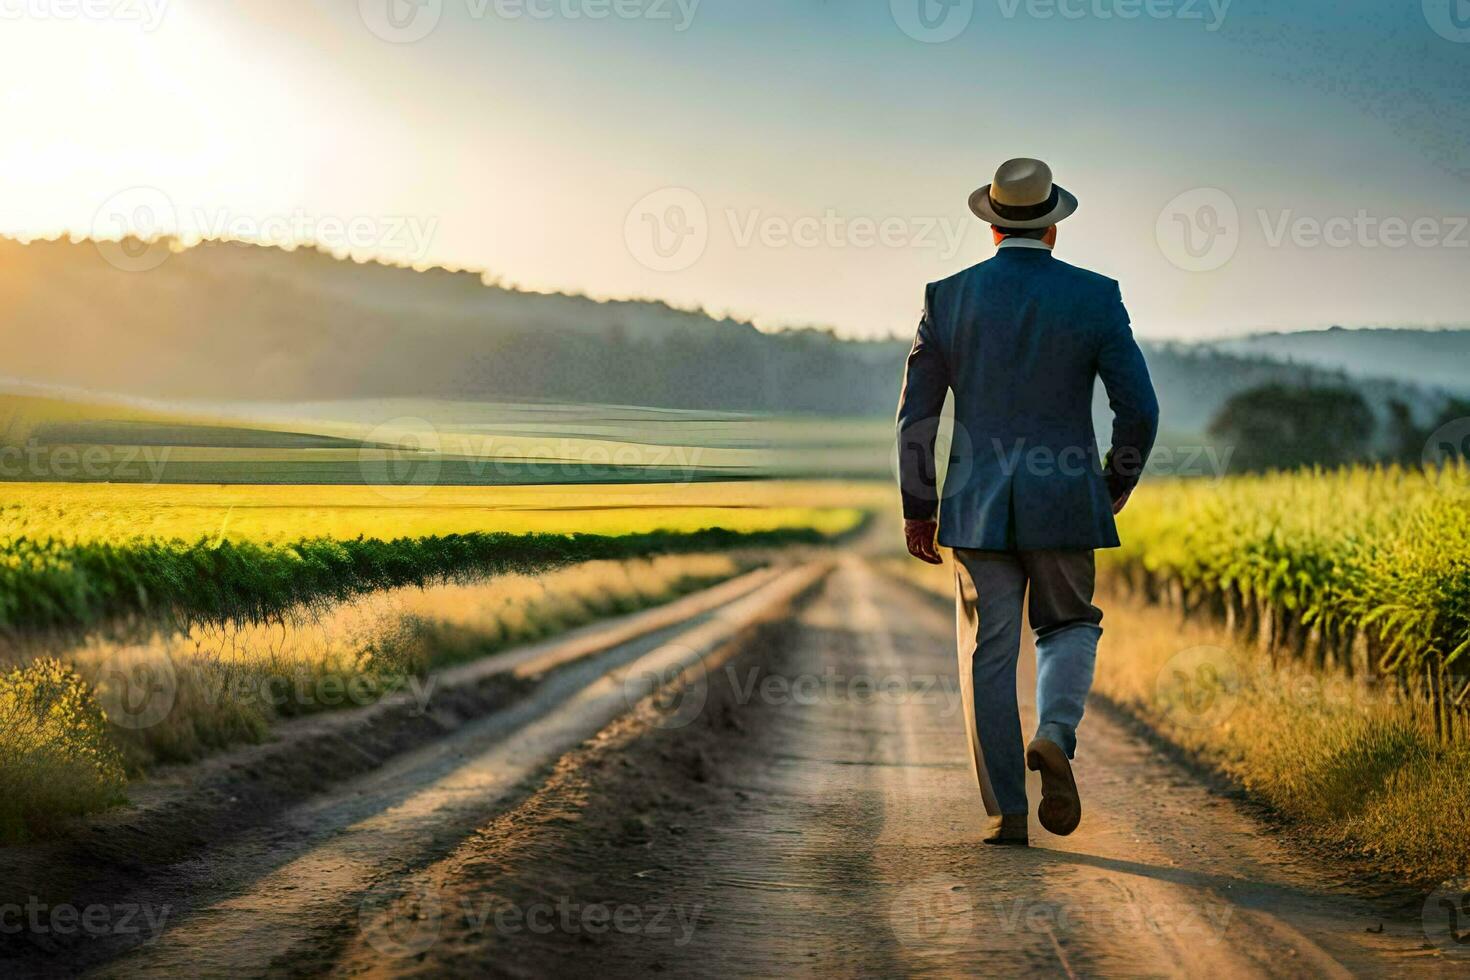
(1014, 241)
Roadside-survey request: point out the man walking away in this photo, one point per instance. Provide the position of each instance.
(1020, 339)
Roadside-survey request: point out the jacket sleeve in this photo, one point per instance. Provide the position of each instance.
(926, 380)
(1131, 396)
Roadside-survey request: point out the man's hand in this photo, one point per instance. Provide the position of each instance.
(1121, 502)
(919, 536)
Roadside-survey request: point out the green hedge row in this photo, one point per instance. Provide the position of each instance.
(46, 585)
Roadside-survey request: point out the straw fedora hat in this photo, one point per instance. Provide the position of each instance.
(1022, 196)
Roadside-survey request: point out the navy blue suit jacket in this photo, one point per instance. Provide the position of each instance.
(1020, 340)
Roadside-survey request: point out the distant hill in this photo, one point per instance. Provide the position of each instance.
(1194, 381)
(230, 321)
(237, 321)
(1431, 358)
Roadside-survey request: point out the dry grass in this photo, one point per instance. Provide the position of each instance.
(71, 724)
(1352, 761)
(56, 760)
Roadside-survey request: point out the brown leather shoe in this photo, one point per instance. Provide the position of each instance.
(1060, 810)
(1008, 828)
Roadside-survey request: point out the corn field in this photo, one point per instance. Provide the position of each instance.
(1362, 569)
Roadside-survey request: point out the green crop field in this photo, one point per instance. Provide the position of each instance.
(185, 541)
(1362, 565)
(239, 512)
(74, 554)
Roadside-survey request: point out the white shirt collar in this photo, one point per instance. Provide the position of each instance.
(1014, 242)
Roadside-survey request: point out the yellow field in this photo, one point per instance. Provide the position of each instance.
(76, 513)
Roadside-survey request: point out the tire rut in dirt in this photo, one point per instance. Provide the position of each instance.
(666, 845)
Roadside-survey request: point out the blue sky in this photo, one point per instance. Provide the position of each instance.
(813, 156)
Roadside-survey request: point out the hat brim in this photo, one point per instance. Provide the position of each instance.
(980, 205)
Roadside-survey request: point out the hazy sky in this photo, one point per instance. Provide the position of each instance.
(1241, 165)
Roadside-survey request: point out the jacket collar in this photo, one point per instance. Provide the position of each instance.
(1023, 254)
(1023, 243)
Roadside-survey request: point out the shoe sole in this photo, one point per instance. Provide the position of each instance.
(1060, 810)
(1022, 842)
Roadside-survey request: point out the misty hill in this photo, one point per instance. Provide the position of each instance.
(237, 321)
(1194, 381)
(231, 321)
(1434, 358)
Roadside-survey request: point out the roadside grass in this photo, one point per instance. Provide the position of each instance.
(56, 760)
(74, 727)
(143, 625)
(48, 586)
(1353, 762)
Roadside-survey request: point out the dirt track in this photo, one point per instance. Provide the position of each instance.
(837, 835)
(780, 818)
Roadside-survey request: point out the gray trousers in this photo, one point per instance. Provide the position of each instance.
(990, 590)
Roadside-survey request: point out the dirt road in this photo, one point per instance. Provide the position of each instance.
(806, 807)
(819, 828)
